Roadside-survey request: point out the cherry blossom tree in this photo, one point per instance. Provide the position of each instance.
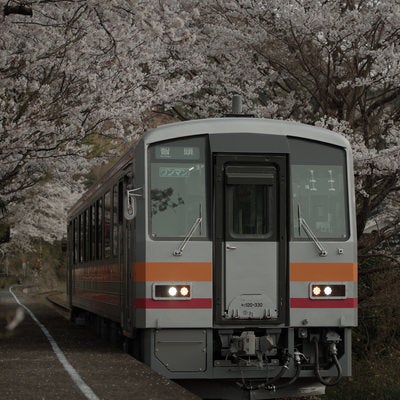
(71, 71)
(334, 64)
(74, 70)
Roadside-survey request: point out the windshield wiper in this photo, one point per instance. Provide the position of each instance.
(179, 250)
(303, 224)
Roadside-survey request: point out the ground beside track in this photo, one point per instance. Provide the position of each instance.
(30, 369)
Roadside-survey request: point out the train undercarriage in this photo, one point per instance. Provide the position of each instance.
(249, 363)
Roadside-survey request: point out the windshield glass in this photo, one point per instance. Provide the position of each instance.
(319, 194)
(318, 190)
(178, 188)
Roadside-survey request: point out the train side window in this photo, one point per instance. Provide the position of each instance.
(86, 217)
(107, 225)
(81, 238)
(76, 240)
(120, 202)
(99, 230)
(92, 232)
(115, 221)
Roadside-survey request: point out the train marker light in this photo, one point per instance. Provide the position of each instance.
(184, 291)
(172, 291)
(326, 291)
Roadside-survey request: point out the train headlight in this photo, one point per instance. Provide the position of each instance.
(328, 291)
(172, 291)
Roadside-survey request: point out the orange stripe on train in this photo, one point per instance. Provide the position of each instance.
(172, 271)
(93, 272)
(335, 272)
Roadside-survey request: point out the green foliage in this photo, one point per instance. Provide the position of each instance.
(101, 148)
(46, 264)
(6, 281)
(372, 379)
(376, 341)
(379, 313)
(99, 145)
(3, 207)
(4, 233)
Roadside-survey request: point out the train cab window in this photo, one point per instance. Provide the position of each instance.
(178, 188)
(319, 191)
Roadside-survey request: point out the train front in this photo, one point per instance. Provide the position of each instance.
(245, 274)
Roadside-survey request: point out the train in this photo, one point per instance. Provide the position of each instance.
(224, 252)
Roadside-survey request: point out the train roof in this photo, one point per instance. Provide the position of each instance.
(216, 126)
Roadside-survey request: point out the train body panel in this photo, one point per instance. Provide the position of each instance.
(162, 268)
(337, 268)
(226, 250)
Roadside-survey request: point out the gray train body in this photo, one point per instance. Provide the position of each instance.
(225, 250)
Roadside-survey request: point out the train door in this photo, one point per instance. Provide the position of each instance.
(250, 253)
